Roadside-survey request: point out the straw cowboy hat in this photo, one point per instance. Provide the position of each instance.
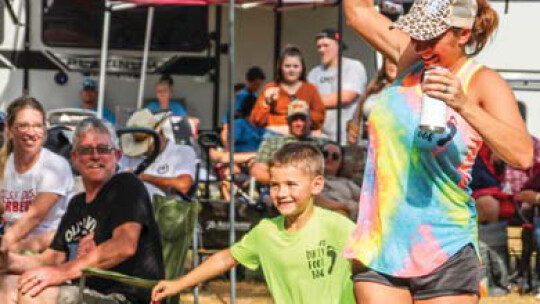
(136, 144)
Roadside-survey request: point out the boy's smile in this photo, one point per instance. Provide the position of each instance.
(292, 191)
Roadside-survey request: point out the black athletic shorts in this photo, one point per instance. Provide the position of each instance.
(458, 275)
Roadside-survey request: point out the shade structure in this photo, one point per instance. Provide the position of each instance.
(209, 2)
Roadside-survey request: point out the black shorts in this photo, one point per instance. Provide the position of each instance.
(458, 275)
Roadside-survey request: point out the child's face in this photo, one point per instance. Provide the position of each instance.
(291, 189)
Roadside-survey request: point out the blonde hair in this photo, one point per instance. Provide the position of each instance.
(484, 26)
(303, 156)
(13, 109)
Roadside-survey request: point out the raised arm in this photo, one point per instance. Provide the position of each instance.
(374, 27)
(261, 109)
(217, 264)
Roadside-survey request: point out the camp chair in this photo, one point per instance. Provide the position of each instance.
(176, 216)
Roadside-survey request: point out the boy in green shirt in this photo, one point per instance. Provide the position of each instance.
(300, 250)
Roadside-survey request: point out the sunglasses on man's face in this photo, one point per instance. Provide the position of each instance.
(334, 155)
(99, 149)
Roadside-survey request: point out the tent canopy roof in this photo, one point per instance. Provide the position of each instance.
(209, 2)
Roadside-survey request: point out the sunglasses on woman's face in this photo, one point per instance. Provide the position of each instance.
(335, 156)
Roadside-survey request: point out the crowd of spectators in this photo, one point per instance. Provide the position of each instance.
(297, 107)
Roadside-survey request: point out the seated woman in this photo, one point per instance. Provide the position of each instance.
(358, 125)
(35, 181)
(492, 203)
(270, 109)
(343, 192)
(164, 100)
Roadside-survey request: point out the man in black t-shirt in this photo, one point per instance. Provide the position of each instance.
(109, 226)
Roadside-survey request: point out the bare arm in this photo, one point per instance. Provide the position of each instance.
(225, 136)
(330, 204)
(112, 252)
(317, 110)
(119, 248)
(496, 117)
(38, 210)
(217, 264)
(374, 27)
(347, 97)
(528, 196)
(180, 183)
(18, 263)
(260, 172)
(261, 110)
(224, 156)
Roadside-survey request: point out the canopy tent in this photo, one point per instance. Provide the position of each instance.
(112, 5)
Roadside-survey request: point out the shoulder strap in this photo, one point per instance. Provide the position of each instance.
(466, 73)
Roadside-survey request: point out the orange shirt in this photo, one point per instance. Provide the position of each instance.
(275, 115)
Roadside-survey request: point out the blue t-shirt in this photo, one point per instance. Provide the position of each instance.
(243, 104)
(247, 136)
(175, 106)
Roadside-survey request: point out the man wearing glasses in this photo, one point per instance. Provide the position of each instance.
(110, 225)
(299, 130)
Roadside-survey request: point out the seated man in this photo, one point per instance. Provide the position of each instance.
(89, 94)
(111, 225)
(298, 122)
(175, 166)
(164, 100)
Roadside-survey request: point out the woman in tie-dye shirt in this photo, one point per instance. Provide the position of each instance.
(416, 234)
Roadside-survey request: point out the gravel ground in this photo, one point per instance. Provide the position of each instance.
(217, 292)
(511, 299)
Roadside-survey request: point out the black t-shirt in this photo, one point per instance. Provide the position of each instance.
(122, 199)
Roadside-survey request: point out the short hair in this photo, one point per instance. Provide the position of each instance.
(255, 73)
(304, 156)
(93, 124)
(166, 80)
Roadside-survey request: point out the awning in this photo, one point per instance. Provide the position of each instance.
(210, 2)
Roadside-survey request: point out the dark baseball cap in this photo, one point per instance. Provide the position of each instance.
(330, 33)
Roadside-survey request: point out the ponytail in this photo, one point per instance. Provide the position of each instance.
(4, 153)
(485, 24)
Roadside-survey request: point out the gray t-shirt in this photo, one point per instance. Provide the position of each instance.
(354, 78)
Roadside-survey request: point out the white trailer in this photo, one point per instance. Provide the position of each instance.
(49, 55)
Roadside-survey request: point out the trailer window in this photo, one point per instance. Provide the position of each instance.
(79, 23)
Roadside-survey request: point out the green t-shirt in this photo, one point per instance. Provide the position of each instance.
(305, 266)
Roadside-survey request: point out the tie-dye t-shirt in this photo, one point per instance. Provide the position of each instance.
(415, 208)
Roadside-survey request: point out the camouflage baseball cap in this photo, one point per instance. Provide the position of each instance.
(428, 19)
